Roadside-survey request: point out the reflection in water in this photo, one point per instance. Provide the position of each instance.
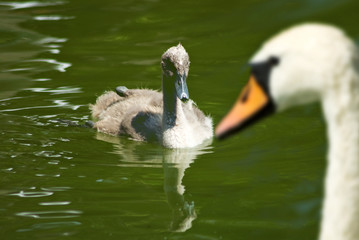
(174, 163)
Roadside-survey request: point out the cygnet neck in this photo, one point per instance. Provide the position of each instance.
(171, 104)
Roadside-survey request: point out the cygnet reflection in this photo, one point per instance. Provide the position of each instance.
(174, 163)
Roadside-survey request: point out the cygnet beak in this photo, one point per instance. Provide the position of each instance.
(181, 87)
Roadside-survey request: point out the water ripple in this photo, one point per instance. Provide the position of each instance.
(59, 103)
(41, 80)
(47, 175)
(17, 70)
(50, 225)
(59, 66)
(52, 18)
(59, 90)
(9, 99)
(53, 154)
(24, 194)
(30, 4)
(56, 189)
(48, 42)
(54, 203)
(48, 154)
(50, 214)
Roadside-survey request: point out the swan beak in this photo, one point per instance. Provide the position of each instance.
(252, 104)
(181, 87)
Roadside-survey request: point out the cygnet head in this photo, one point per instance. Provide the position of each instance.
(175, 66)
(300, 65)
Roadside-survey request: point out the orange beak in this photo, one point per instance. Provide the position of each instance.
(249, 105)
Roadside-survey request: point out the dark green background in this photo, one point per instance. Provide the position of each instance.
(60, 182)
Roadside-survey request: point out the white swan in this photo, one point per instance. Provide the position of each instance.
(147, 115)
(307, 63)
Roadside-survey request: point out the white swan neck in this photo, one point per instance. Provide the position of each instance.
(340, 214)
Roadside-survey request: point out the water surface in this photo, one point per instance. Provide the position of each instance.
(63, 182)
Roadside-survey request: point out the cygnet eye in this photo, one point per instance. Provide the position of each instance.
(168, 67)
(169, 73)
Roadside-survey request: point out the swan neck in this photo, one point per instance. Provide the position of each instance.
(340, 208)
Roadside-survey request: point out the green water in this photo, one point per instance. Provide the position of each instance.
(61, 182)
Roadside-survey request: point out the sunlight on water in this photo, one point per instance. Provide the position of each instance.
(60, 90)
(31, 4)
(32, 194)
(60, 66)
(52, 18)
(54, 203)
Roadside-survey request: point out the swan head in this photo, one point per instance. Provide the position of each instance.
(175, 66)
(299, 65)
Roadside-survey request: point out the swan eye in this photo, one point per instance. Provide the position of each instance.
(273, 61)
(261, 71)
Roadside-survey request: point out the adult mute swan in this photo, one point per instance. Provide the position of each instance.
(169, 118)
(306, 63)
